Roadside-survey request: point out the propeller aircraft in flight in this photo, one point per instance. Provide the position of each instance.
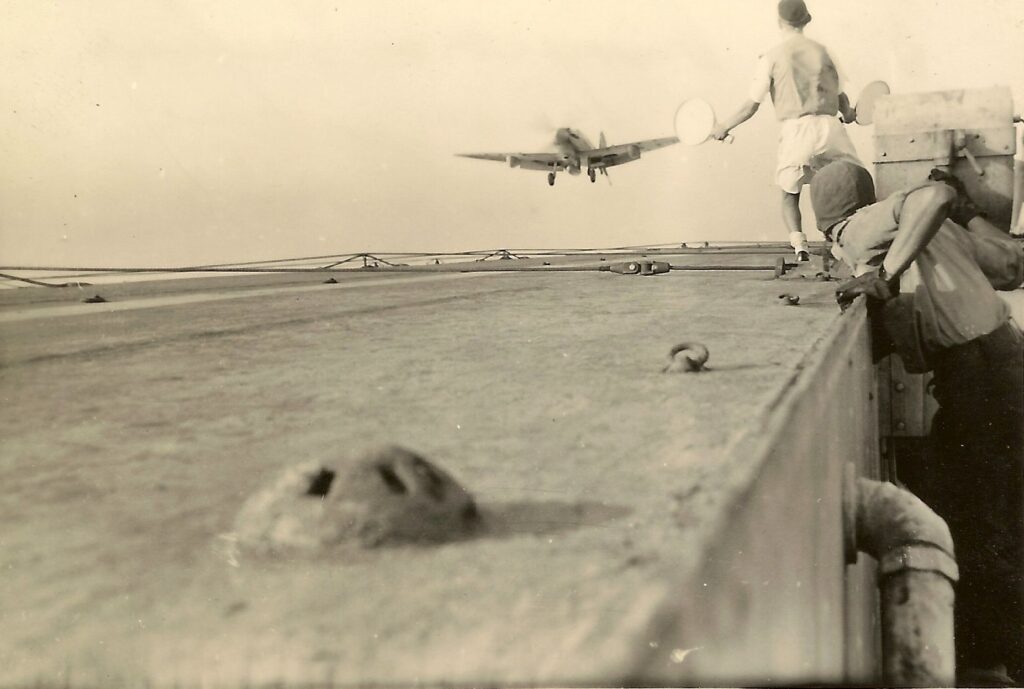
(575, 152)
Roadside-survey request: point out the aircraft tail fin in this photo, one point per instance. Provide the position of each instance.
(603, 143)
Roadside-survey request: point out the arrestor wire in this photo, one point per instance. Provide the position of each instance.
(389, 264)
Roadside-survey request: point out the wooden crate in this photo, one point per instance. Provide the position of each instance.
(915, 132)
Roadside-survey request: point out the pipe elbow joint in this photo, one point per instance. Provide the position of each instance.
(899, 530)
(916, 577)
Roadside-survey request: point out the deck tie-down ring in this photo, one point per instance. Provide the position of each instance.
(687, 357)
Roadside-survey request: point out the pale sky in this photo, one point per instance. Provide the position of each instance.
(160, 132)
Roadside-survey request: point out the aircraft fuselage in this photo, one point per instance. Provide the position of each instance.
(571, 142)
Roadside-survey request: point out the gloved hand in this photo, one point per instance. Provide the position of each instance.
(963, 209)
(874, 284)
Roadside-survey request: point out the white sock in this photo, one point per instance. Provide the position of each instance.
(798, 240)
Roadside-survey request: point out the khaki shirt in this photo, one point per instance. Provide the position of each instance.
(947, 296)
(801, 78)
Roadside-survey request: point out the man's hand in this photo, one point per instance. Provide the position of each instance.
(719, 133)
(874, 285)
(963, 209)
(847, 113)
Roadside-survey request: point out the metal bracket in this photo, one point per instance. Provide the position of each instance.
(639, 267)
(919, 556)
(943, 145)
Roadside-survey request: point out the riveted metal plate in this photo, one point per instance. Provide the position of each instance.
(939, 145)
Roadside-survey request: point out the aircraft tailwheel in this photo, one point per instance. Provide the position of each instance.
(593, 174)
(551, 179)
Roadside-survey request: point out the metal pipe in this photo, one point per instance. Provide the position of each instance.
(916, 570)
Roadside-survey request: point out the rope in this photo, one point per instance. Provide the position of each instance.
(42, 284)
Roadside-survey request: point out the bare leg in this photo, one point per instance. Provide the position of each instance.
(794, 221)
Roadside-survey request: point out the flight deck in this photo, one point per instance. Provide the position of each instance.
(607, 488)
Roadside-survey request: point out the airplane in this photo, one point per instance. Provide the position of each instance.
(574, 153)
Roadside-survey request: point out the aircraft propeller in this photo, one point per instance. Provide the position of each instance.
(604, 171)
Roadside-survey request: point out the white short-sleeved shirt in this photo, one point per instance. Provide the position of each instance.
(761, 84)
(762, 81)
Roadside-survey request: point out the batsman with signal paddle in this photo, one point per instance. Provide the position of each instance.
(804, 85)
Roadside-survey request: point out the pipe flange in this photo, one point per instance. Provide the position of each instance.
(921, 557)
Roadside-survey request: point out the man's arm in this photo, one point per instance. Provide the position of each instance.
(756, 93)
(980, 227)
(847, 111)
(745, 112)
(923, 212)
(1000, 256)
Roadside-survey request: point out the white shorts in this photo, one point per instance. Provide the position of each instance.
(807, 144)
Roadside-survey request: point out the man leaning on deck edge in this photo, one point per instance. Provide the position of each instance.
(929, 264)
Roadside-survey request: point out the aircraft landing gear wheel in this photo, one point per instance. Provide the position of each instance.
(592, 174)
(551, 179)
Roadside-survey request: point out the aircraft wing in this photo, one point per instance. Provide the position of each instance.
(608, 156)
(528, 161)
(500, 157)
